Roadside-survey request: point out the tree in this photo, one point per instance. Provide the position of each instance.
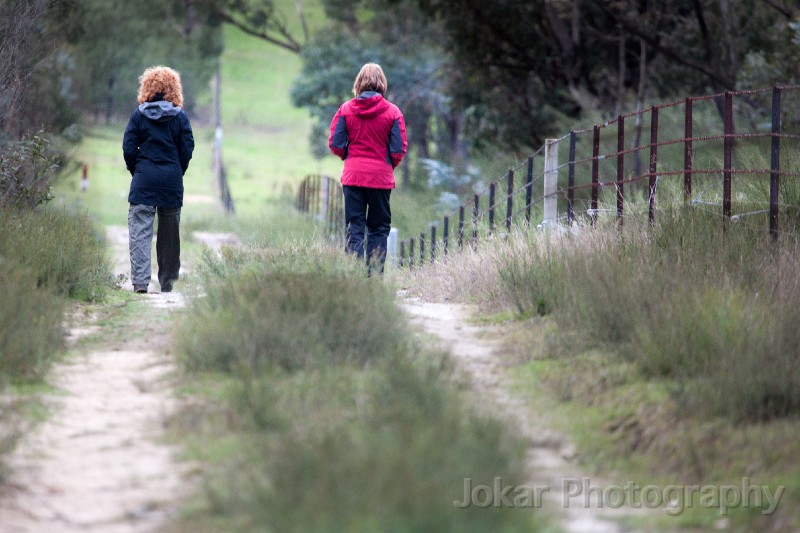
(262, 19)
(108, 63)
(525, 66)
(394, 34)
(32, 33)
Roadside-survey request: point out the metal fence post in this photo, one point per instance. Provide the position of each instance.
(727, 156)
(595, 172)
(492, 188)
(509, 199)
(651, 212)
(528, 190)
(775, 165)
(433, 243)
(460, 227)
(550, 181)
(571, 179)
(687, 152)
(620, 169)
(445, 233)
(475, 213)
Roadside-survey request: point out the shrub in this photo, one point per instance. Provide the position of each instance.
(31, 330)
(394, 453)
(711, 307)
(340, 424)
(62, 251)
(291, 313)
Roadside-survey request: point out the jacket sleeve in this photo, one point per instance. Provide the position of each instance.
(130, 143)
(338, 139)
(186, 142)
(398, 144)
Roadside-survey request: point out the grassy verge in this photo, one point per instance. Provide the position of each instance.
(669, 355)
(47, 258)
(318, 413)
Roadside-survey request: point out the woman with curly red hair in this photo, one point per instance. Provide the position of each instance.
(157, 146)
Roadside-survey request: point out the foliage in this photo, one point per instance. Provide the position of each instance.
(107, 64)
(523, 66)
(712, 312)
(294, 312)
(60, 251)
(31, 330)
(341, 422)
(26, 172)
(32, 36)
(396, 36)
(262, 19)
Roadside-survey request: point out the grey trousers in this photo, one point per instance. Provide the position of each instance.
(168, 244)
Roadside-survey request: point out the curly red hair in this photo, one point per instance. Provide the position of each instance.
(160, 80)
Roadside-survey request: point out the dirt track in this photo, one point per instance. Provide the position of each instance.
(99, 462)
(549, 453)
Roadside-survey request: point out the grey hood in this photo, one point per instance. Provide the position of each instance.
(161, 111)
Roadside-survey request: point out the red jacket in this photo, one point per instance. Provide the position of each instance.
(369, 134)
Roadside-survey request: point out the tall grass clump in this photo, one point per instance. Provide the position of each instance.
(291, 310)
(343, 424)
(62, 251)
(31, 330)
(711, 307)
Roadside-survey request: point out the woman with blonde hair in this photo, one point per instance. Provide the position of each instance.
(157, 146)
(369, 134)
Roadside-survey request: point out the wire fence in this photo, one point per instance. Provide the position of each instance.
(322, 198)
(735, 152)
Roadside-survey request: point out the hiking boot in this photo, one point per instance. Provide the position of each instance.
(140, 290)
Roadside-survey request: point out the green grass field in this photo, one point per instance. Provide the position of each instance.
(265, 147)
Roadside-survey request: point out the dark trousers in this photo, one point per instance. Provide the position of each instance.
(168, 244)
(368, 220)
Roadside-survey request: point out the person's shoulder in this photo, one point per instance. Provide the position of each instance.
(393, 109)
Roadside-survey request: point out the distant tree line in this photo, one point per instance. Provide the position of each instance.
(467, 73)
(507, 73)
(65, 61)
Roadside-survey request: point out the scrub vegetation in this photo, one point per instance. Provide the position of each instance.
(329, 415)
(670, 352)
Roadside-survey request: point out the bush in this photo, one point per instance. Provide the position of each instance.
(290, 311)
(339, 423)
(31, 330)
(26, 172)
(398, 457)
(712, 308)
(62, 251)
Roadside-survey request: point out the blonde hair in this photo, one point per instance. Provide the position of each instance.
(160, 80)
(370, 78)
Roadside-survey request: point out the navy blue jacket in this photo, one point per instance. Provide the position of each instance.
(157, 147)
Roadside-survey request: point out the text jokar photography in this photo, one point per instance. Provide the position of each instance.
(673, 499)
